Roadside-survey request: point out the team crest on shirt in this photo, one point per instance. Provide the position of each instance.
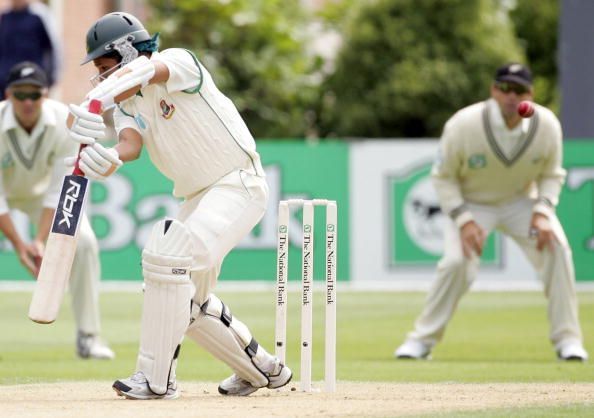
(167, 109)
(477, 161)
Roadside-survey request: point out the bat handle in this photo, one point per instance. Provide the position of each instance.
(94, 107)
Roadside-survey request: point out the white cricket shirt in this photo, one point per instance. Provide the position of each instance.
(482, 161)
(193, 133)
(31, 165)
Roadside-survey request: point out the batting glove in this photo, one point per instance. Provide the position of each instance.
(87, 127)
(96, 161)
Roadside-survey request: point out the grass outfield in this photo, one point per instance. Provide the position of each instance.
(494, 337)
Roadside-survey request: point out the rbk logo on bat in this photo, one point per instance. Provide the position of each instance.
(70, 205)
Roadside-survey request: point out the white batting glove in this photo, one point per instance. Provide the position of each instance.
(136, 73)
(87, 127)
(96, 161)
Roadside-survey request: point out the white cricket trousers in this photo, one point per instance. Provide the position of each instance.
(86, 270)
(218, 219)
(455, 273)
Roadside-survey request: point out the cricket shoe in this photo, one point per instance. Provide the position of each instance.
(237, 386)
(90, 346)
(136, 387)
(572, 351)
(413, 349)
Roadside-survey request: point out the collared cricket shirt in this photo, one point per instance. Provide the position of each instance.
(481, 161)
(193, 133)
(31, 165)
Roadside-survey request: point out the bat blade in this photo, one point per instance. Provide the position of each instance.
(59, 252)
(61, 245)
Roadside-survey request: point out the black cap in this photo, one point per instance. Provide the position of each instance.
(514, 73)
(26, 72)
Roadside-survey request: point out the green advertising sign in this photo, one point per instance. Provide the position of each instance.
(576, 205)
(124, 209)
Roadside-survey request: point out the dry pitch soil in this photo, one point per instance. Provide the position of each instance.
(352, 399)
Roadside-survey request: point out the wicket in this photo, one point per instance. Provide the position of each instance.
(307, 271)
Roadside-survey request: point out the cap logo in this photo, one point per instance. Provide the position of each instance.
(27, 71)
(515, 68)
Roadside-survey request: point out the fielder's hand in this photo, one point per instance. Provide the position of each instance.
(30, 256)
(96, 161)
(541, 230)
(87, 127)
(473, 239)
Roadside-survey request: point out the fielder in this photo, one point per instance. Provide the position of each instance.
(195, 136)
(33, 143)
(498, 171)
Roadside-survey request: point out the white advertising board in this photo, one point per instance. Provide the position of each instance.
(396, 224)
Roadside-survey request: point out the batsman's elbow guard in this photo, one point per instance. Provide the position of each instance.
(137, 73)
(142, 69)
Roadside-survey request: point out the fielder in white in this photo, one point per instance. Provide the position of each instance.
(497, 171)
(194, 135)
(33, 143)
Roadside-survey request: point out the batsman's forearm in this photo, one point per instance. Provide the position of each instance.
(129, 145)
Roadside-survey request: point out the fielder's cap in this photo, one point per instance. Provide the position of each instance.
(514, 73)
(26, 72)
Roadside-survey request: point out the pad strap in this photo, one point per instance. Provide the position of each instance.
(228, 339)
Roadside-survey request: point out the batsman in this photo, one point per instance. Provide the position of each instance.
(168, 102)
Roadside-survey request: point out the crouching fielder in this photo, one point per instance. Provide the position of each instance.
(194, 136)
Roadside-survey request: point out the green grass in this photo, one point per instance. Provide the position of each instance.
(494, 337)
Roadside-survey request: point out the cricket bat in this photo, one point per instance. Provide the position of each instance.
(61, 244)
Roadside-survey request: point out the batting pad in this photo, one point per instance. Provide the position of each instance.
(166, 261)
(229, 340)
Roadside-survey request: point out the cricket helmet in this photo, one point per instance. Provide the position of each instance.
(110, 32)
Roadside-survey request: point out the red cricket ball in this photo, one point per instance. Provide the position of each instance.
(526, 109)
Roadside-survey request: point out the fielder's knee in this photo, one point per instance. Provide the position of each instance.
(452, 264)
(458, 268)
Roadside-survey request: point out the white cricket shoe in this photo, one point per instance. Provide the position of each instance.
(237, 386)
(413, 349)
(89, 346)
(572, 351)
(136, 387)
